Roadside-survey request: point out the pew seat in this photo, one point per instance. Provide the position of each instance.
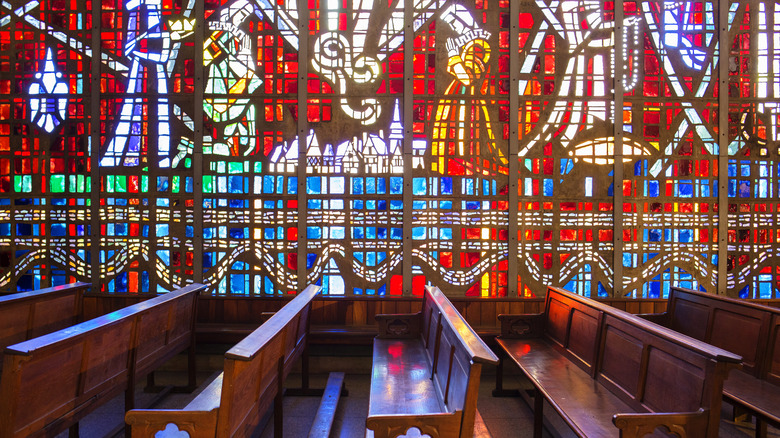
(426, 371)
(609, 373)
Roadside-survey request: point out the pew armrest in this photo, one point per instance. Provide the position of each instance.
(682, 424)
(390, 426)
(399, 325)
(658, 318)
(527, 325)
(146, 423)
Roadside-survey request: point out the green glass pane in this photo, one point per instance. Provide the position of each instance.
(110, 184)
(144, 183)
(208, 184)
(258, 167)
(235, 168)
(121, 184)
(175, 187)
(57, 183)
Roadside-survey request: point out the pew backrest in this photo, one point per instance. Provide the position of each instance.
(575, 325)
(257, 366)
(26, 315)
(773, 370)
(253, 375)
(744, 328)
(50, 382)
(453, 349)
(649, 367)
(162, 334)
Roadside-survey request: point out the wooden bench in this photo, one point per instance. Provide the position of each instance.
(744, 328)
(426, 372)
(252, 380)
(609, 373)
(26, 315)
(50, 382)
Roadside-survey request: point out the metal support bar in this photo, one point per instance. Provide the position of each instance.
(617, 181)
(197, 156)
(513, 228)
(407, 146)
(303, 126)
(94, 141)
(723, 129)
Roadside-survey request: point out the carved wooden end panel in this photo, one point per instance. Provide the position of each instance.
(401, 326)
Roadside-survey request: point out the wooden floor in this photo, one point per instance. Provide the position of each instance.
(504, 417)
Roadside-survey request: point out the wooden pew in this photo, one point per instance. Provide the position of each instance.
(609, 373)
(26, 315)
(50, 382)
(254, 372)
(426, 372)
(744, 328)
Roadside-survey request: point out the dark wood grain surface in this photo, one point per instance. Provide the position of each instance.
(50, 382)
(254, 371)
(584, 404)
(744, 328)
(426, 371)
(593, 363)
(26, 315)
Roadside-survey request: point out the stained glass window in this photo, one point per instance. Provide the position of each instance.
(489, 147)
